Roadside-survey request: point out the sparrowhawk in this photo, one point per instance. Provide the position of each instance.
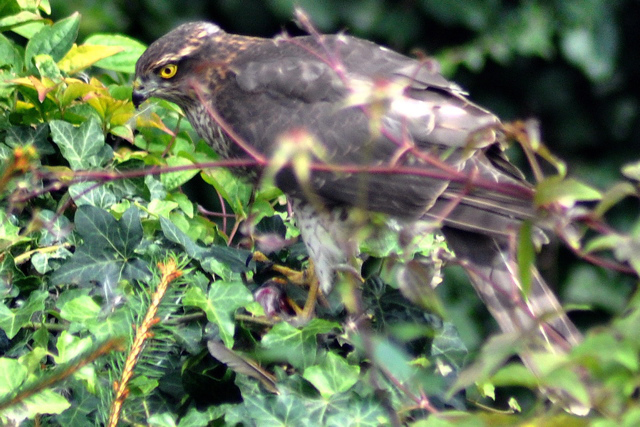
(393, 137)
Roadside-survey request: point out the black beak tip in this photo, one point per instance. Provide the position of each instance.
(137, 98)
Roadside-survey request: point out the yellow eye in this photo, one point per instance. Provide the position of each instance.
(168, 71)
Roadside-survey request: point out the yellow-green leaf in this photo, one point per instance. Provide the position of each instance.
(81, 57)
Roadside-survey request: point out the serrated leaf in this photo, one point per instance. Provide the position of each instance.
(55, 40)
(80, 146)
(333, 375)
(223, 299)
(124, 61)
(84, 56)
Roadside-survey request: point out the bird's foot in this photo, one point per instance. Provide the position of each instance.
(305, 278)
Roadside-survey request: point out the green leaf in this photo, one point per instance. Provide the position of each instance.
(223, 299)
(10, 55)
(18, 19)
(204, 417)
(357, 412)
(234, 191)
(567, 192)
(9, 233)
(45, 402)
(285, 409)
(632, 170)
(100, 230)
(55, 40)
(592, 48)
(11, 321)
(333, 375)
(47, 68)
(81, 57)
(83, 146)
(70, 346)
(298, 347)
(448, 345)
(124, 61)
(92, 194)
(172, 180)
(108, 252)
(220, 260)
(12, 374)
(80, 309)
(526, 256)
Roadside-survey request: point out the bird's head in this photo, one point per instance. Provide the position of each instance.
(165, 68)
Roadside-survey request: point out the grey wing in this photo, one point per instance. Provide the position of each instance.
(294, 88)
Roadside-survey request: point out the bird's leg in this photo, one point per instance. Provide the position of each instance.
(305, 278)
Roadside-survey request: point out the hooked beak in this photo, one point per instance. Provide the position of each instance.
(139, 93)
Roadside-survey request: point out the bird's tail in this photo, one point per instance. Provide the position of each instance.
(537, 316)
(496, 281)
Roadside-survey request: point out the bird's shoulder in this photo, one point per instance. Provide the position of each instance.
(323, 68)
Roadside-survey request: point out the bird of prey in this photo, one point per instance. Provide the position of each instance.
(392, 136)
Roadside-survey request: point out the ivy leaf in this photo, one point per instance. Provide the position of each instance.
(55, 40)
(284, 409)
(45, 402)
(333, 375)
(297, 346)
(19, 136)
(220, 260)
(93, 194)
(367, 412)
(11, 321)
(108, 252)
(12, 374)
(80, 309)
(83, 146)
(219, 305)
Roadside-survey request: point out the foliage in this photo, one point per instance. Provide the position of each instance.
(94, 212)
